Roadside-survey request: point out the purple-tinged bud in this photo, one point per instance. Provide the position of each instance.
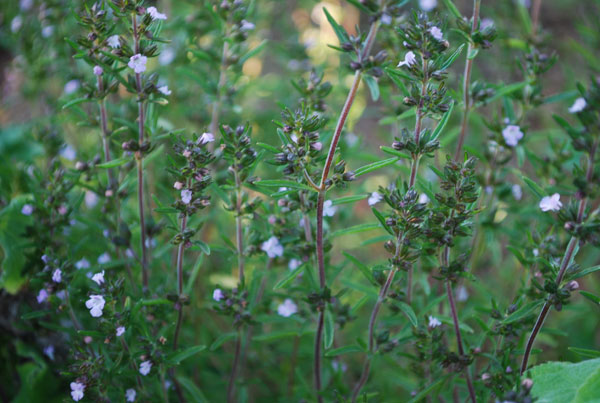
(573, 285)
(527, 384)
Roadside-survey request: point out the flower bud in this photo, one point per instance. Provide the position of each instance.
(573, 285)
(527, 384)
(81, 166)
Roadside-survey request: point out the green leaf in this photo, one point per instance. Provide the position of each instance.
(75, 102)
(397, 77)
(178, 356)
(506, 90)
(391, 151)
(448, 62)
(283, 334)
(537, 189)
(288, 278)
(254, 51)
(435, 385)
(523, 312)
(360, 6)
(408, 311)
(584, 352)
(344, 350)
(222, 339)
(328, 330)
(374, 166)
(381, 220)
(348, 199)
(585, 272)
(452, 8)
(114, 163)
(442, 124)
(35, 314)
(282, 183)
(373, 86)
(566, 382)
(203, 246)
(473, 52)
(364, 269)
(268, 147)
(592, 297)
(192, 390)
(356, 228)
(340, 32)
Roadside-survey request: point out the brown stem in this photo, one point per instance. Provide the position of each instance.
(105, 132)
(179, 306)
(317, 363)
(234, 369)
(466, 84)
(535, 17)
(564, 264)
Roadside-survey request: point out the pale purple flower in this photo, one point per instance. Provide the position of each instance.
(104, 258)
(62, 209)
(155, 14)
(47, 31)
(57, 276)
(49, 351)
(246, 26)
(42, 296)
(436, 33)
(294, 264)
(486, 23)
(25, 4)
(551, 203)
(218, 294)
(186, 196)
(272, 247)
(517, 192)
(27, 209)
(145, 367)
(113, 42)
(386, 19)
(578, 105)
(187, 153)
(120, 331)
(374, 198)
(71, 87)
(423, 198)
(512, 134)
(91, 199)
(95, 304)
(329, 209)
(98, 278)
(434, 322)
(178, 185)
(68, 152)
(409, 59)
(77, 389)
(82, 264)
(98, 71)
(206, 138)
(164, 90)
(16, 24)
(130, 395)
(462, 294)
(317, 146)
(287, 309)
(137, 63)
(427, 5)
(166, 56)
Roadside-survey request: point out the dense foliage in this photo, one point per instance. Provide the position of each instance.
(345, 200)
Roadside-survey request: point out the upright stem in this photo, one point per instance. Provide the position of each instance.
(321, 199)
(466, 84)
(234, 370)
(459, 343)
(535, 16)
(179, 306)
(214, 120)
(564, 264)
(139, 157)
(105, 133)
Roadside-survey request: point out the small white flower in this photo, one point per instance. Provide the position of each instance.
(71, 87)
(434, 322)
(164, 90)
(436, 33)
(98, 278)
(512, 134)
(95, 304)
(486, 23)
(294, 264)
(145, 367)
(49, 351)
(328, 209)
(386, 19)
(25, 4)
(16, 24)
(578, 105)
(68, 152)
(517, 192)
(77, 389)
(206, 138)
(218, 294)
(91, 199)
(42, 296)
(155, 14)
(27, 209)
(374, 198)
(409, 59)
(113, 42)
(129, 253)
(272, 247)
(317, 146)
(166, 57)
(57, 276)
(82, 264)
(287, 309)
(427, 5)
(551, 203)
(246, 26)
(62, 210)
(178, 185)
(62, 295)
(423, 198)
(186, 196)
(536, 252)
(98, 71)
(130, 395)
(137, 63)
(45, 258)
(462, 294)
(120, 331)
(104, 258)
(47, 31)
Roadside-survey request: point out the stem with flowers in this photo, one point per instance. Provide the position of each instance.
(322, 189)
